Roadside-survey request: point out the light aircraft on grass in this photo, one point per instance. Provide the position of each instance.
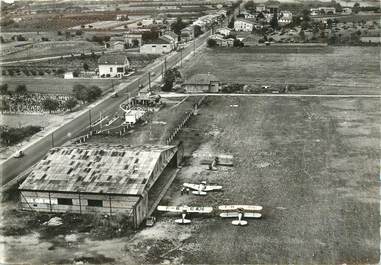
(240, 211)
(202, 188)
(184, 210)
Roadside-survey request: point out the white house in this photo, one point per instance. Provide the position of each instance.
(285, 18)
(260, 8)
(113, 65)
(243, 25)
(224, 31)
(161, 45)
(147, 21)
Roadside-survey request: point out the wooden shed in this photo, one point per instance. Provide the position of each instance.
(104, 179)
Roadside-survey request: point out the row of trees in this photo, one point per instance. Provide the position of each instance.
(86, 94)
(20, 89)
(11, 136)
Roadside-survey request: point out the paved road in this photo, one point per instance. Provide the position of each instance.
(108, 105)
(176, 95)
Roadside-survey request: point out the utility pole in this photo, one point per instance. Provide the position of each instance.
(100, 119)
(90, 120)
(181, 58)
(194, 46)
(149, 81)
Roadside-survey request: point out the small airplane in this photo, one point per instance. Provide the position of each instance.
(184, 210)
(202, 188)
(240, 212)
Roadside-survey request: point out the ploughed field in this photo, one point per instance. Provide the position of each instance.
(338, 70)
(311, 163)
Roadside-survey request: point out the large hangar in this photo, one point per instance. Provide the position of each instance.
(107, 179)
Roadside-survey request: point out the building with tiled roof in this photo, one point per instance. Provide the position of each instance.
(113, 65)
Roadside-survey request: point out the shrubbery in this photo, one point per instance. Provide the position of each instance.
(11, 136)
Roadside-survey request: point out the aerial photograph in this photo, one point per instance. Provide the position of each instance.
(190, 132)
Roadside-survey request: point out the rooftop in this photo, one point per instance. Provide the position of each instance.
(112, 59)
(201, 79)
(92, 168)
(160, 40)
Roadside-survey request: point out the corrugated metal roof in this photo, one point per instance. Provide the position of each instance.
(115, 169)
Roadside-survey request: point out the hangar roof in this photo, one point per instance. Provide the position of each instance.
(108, 169)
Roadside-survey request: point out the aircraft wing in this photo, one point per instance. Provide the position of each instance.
(252, 215)
(200, 209)
(229, 214)
(235, 214)
(212, 187)
(192, 186)
(175, 209)
(236, 207)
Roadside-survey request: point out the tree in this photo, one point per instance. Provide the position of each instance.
(302, 35)
(231, 23)
(4, 89)
(85, 67)
(71, 103)
(80, 92)
(94, 92)
(237, 43)
(356, 8)
(249, 5)
(21, 89)
(170, 77)
(4, 104)
(211, 43)
(50, 104)
(178, 26)
(274, 21)
(197, 31)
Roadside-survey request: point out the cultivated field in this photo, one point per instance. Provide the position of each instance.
(56, 85)
(340, 70)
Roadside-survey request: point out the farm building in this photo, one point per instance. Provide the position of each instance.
(113, 65)
(133, 39)
(159, 46)
(105, 179)
(201, 83)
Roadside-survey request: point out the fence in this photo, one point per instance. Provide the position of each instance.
(184, 121)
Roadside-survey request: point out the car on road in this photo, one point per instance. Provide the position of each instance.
(150, 221)
(19, 154)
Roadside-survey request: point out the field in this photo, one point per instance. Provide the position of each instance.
(56, 85)
(53, 48)
(312, 164)
(341, 70)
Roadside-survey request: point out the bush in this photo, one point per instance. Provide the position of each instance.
(50, 104)
(70, 103)
(12, 136)
(21, 89)
(211, 43)
(4, 89)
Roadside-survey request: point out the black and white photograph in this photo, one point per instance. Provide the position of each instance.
(190, 132)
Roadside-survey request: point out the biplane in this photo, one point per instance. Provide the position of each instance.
(240, 211)
(184, 210)
(202, 188)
